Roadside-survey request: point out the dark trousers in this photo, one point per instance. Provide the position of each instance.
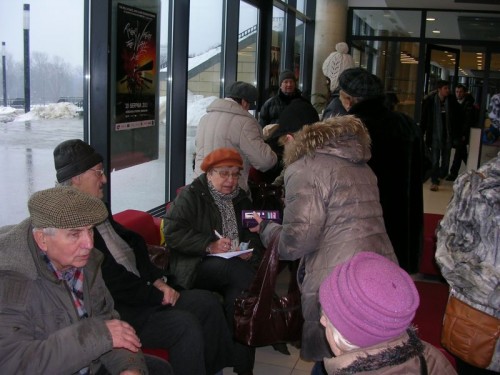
(229, 277)
(460, 156)
(440, 161)
(157, 366)
(194, 331)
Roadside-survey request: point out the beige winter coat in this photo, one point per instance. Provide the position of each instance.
(227, 124)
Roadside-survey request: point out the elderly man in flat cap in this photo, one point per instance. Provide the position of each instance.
(56, 314)
(190, 324)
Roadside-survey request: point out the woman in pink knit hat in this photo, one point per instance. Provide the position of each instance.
(368, 304)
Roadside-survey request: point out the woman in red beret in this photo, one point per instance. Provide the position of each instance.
(205, 220)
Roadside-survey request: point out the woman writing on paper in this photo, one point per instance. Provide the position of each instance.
(208, 208)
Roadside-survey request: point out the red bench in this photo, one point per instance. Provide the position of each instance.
(433, 292)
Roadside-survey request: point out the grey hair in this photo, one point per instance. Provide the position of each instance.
(64, 183)
(342, 343)
(47, 231)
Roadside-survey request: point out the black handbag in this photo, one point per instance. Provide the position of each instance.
(261, 317)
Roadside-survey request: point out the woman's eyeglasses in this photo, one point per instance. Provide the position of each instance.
(226, 174)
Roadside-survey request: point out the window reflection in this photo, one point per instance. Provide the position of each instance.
(204, 74)
(247, 44)
(141, 151)
(277, 49)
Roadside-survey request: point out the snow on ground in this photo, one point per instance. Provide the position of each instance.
(197, 105)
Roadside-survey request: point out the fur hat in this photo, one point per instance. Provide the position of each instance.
(222, 157)
(74, 157)
(360, 83)
(286, 74)
(336, 63)
(369, 299)
(65, 207)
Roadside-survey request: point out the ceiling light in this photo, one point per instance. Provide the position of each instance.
(430, 19)
(436, 32)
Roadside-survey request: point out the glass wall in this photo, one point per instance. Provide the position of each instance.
(457, 46)
(298, 51)
(136, 163)
(122, 103)
(55, 93)
(204, 71)
(277, 50)
(247, 43)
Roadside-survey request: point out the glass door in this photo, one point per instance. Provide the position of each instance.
(441, 62)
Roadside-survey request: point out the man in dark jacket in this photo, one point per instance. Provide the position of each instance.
(397, 161)
(466, 101)
(190, 324)
(272, 108)
(442, 127)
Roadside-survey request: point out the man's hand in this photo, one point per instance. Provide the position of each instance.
(170, 295)
(123, 335)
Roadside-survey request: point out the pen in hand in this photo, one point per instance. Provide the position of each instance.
(223, 242)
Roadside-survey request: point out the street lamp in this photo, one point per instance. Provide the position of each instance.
(4, 76)
(26, 23)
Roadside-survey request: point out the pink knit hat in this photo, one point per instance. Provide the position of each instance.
(369, 299)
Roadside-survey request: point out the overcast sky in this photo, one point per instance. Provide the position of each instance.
(56, 27)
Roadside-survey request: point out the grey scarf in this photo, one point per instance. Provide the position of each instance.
(224, 203)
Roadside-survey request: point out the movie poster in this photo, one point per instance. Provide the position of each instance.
(136, 68)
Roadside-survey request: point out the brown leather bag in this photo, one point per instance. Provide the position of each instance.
(469, 334)
(261, 317)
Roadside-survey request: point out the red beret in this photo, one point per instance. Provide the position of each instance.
(222, 157)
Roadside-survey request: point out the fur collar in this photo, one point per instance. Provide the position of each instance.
(346, 136)
(391, 353)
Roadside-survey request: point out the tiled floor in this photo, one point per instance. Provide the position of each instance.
(271, 362)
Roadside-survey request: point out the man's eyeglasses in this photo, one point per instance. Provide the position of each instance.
(226, 174)
(98, 172)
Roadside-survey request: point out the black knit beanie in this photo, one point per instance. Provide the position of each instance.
(286, 74)
(74, 157)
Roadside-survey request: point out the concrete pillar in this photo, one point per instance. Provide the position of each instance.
(330, 29)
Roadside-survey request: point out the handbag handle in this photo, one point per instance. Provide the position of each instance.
(264, 282)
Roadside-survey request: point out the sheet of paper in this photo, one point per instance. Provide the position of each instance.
(231, 254)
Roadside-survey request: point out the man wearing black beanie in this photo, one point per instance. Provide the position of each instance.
(190, 324)
(272, 108)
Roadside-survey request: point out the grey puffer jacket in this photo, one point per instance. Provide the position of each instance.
(40, 331)
(227, 124)
(332, 212)
(468, 242)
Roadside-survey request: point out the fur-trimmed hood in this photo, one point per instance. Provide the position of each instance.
(343, 136)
